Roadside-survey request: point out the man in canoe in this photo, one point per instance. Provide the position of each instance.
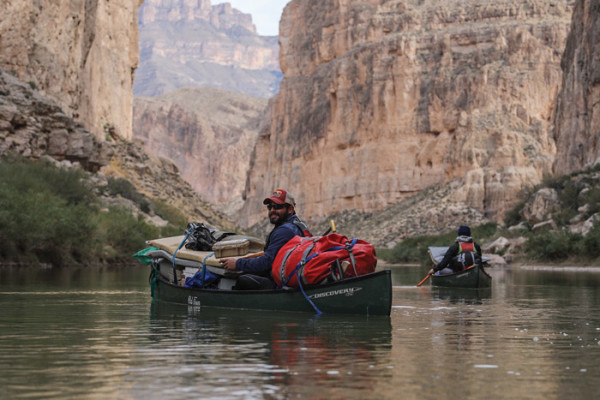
(462, 254)
(282, 214)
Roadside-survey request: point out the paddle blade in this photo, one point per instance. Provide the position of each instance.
(424, 280)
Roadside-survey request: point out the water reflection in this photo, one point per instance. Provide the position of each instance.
(281, 354)
(460, 295)
(96, 333)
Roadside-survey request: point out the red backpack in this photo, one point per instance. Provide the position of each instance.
(312, 259)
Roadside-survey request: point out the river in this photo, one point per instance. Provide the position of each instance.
(94, 333)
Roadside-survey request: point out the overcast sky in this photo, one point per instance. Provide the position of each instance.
(265, 13)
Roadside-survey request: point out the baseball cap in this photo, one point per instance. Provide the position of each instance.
(280, 196)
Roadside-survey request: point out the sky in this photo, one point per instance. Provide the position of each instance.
(265, 13)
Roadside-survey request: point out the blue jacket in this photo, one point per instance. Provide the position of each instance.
(279, 236)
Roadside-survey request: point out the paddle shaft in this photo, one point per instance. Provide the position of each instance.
(424, 280)
(252, 255)
(429, 276)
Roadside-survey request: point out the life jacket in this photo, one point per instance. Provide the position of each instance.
(466, 256)
(466, 246)
(314, 258)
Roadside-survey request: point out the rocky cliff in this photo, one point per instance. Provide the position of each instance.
(208, 133)
(382, 99)
(193, 44)
(34, 126)
(577, 127)
(81, 53)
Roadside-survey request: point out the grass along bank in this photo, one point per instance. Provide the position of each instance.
(60, 216)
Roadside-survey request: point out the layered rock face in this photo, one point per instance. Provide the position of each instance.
(578, 107)
(81, 53)
(208, 133)
(382, 99)
(35, 127)
(192, 43)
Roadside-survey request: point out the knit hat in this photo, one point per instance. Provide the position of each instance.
(464, 231)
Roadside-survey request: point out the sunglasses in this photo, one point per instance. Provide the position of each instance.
(276, 206)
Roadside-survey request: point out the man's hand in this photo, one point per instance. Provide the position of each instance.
(228, 263)
(431, 271)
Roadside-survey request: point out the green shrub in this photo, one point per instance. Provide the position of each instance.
(592, 197)
(591, 242)
(51, 215)
(122, 234)
(513, 217)
(553, 246)
(125, 189)
(41, 220)
(171, 214)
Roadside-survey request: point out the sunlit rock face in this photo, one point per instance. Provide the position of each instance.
(208, 133)
(193, 43)
(578, 106)
(381, 99)
(81, 53)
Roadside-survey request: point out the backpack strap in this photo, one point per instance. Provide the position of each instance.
(303, 228)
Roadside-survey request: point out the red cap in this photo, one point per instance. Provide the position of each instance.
(280, 196)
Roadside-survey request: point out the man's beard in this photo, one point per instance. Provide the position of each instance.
(278, 220)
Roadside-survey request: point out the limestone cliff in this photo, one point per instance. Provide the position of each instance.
(192, 44)
(208, 133)
(81, 53)
(382, 99)
(36, 127)
(577, 126)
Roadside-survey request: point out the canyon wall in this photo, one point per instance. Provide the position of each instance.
(195, 44)
(577, 127)
(208, 133)
(80, 53)
(382, 99)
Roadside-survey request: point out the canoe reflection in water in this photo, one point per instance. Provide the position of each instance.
(461, 295)
(288, 343)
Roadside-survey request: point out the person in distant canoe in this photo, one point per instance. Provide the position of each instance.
(282, 214)
(462, 254)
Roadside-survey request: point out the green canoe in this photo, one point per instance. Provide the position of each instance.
(369, 294)
(473, 277)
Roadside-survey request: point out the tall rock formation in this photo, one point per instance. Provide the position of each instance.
(577, 124)
(382, 99)
(81, 53)
(192, 43)
(208, 133)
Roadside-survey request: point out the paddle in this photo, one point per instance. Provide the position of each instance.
(429, 276)
(252, 255)
(424, 280)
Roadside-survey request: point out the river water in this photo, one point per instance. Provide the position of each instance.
(94, 333)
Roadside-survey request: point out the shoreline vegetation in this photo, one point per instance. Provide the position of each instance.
(59, 216)
(558, 241)
(52, 215)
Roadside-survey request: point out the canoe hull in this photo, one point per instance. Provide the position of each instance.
(475, 277)
(369, 294)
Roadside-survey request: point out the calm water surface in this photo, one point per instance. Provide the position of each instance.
(92, 333)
